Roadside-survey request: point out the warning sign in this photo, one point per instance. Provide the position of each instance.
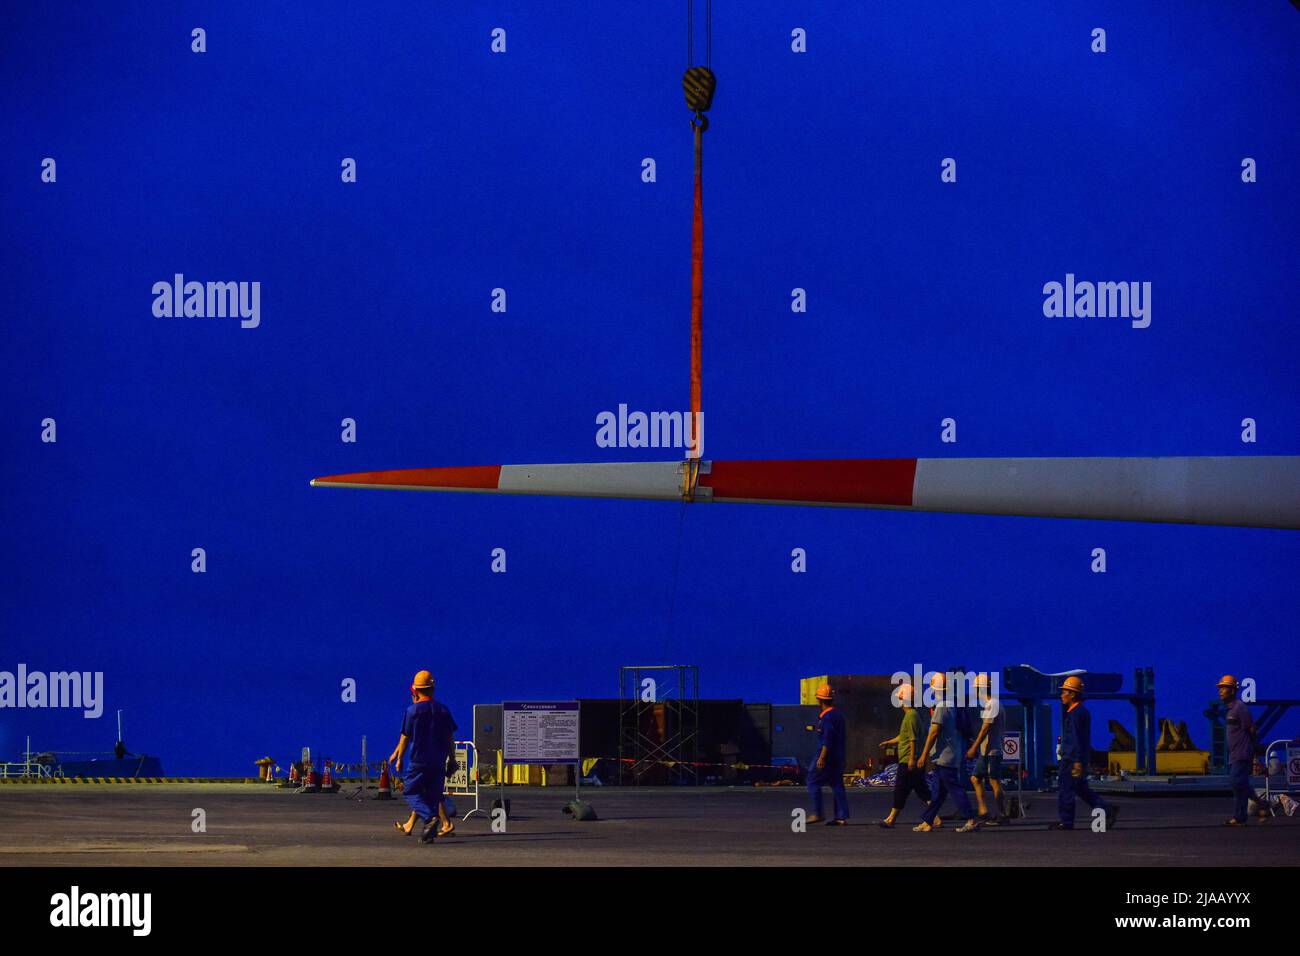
(1011, 747)
(1293, 766)
(458, 782)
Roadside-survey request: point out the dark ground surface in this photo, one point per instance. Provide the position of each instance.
(251, 825)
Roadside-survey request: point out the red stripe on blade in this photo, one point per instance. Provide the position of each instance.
(471, 476)
(867, 481)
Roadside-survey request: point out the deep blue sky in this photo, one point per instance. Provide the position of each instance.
(523, 171)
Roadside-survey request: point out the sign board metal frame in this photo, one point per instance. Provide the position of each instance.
(1019, 739)
(1290, 752)
(464, 782)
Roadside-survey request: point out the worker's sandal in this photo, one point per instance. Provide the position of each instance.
(970, 826)
(922, 827)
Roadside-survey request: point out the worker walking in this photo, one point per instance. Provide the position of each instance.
(1241, 749)
(910, 775)
(827, 769)
(1076, 754)
(944, 743)
(986, 751)
(428, 731)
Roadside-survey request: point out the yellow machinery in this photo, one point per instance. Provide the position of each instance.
(1175, 752)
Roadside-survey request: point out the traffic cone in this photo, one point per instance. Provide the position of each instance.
(311, 783)
(385, 784)
(328, 785)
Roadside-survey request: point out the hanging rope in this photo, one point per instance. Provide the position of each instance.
(699, 84)
(690, 33)
(697, 310)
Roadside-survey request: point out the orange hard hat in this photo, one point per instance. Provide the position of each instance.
(1072, 683)
(1227, 680)
(981, 680)
(938, 681)
(423, 681)
(906, 693)
(825, 693)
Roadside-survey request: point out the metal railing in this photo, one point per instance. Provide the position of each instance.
(1268, 777)
(464, 783)
(25, 768)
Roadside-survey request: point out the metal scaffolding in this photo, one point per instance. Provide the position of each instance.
(659, 724)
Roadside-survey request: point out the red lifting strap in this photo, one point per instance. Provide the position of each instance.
(697, 293)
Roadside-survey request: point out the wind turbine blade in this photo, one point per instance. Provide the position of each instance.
(1246, 491)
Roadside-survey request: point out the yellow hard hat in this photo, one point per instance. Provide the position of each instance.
(423, 681)
(1072, 683)
(981, 681)
(906, 693)
(1227, 680)
(825, 693)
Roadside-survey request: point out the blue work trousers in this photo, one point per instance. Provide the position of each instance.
(423, 791)
(948, 782)
(832, 777)
(1071, 787)
(1239, 780)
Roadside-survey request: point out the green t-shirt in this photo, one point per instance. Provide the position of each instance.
(910, 735)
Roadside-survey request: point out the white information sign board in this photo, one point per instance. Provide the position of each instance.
(539, 731)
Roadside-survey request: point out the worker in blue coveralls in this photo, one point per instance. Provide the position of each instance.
(827, 768)
(429, 733)
(1241, 749)
(1076, 753)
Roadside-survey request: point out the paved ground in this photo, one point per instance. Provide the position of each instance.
(248, 825)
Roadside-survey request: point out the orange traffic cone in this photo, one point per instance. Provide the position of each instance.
(328, 785)
(385, 784)
(311, 783)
